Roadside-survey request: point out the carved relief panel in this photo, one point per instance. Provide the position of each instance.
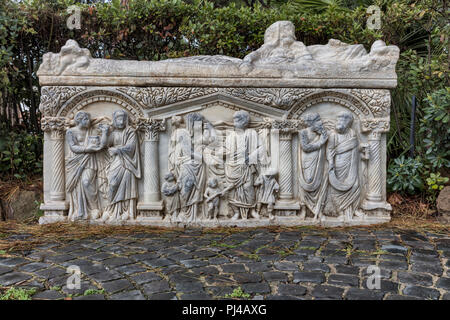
(209, 141)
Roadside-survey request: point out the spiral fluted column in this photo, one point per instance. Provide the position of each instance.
(285, 163)
(57, 192)
(375, 197)
(55, 206)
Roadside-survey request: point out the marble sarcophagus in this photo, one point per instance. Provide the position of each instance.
(289, 135)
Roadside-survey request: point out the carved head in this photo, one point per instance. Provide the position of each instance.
(314, 121)
(344, 121)
(271, 172)
(241, 119)
(169, 177)
(212, 182)
(283, 31)
(177, 121)
(120, 119)
(83, 119)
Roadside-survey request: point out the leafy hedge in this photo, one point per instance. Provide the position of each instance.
(154, 30)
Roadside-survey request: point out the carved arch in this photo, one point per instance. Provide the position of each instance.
(354, 104)
(79, 101)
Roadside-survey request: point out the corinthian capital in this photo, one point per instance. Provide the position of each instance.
(151, 128)
(55, 125)
(285, 125)
(377, 125)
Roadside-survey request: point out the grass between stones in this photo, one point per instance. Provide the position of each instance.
(62, 232)
(238, 294)
(13, 293)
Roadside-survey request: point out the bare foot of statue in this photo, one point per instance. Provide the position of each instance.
(105, 216)
(254, 214)
(235, 217)
(95, 214)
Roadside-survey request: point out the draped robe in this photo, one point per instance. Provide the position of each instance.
(267, 188)
(239, 146)
(312, 175)
(123, 171)
(343, 152)
(189, 171)
(81, 174)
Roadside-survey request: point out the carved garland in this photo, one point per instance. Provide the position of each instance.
(78, 102)
(378, 100)
(365, 102)
(338, 97)
(53, 97)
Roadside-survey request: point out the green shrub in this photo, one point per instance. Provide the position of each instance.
(20, 154)
(435, 184)
(404, 175)
(435, 128)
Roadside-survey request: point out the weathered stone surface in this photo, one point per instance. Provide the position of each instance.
(48, 295)
(292, 106)
(415, 278)
(425, 293)
(363, 294)
(128, 295)
(12, 278)
(291, 290)
(315, 277)
(261, 279)
(327, 292)
(156, 287)
(443, 203)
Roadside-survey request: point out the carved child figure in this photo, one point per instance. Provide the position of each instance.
(268, 187)
(170, 190)
(212, 195)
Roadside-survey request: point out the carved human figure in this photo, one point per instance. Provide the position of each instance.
(123, 170)
(177, 131)
(280, 46)
(212, 195)
(243, 149)
(268, 188)
(312, 161)
(82, 167)
(170, 190)
(190, 165)
(343, 161)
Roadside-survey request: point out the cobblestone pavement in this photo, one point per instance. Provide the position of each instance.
(301, 264)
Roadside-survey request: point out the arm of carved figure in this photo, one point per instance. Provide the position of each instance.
(113, 151)
(206, 194)
(130, 146)
(323, 136)
(104, 137)
(100, 119)
(70, 139)
(258, 181)
(276, 188)
(306, 146)
(331, 152)
(364, 149)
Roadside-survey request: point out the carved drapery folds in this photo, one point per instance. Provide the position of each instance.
(291, 134)
(305, 202)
